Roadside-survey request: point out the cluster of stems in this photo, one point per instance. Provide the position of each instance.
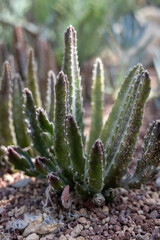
(51, 142)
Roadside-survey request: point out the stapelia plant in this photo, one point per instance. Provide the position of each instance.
(13, 128)
(18, 56)
(11, 99)
(93, 169)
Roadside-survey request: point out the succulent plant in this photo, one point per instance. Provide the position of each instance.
(71, 164)
(18, 57)
(13, 127)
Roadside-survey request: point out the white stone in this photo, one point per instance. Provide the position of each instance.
(21, 183)
(83, 211)
(140, 212)
(48, 237)
(62, 237)
(105, 209)
(82, 220)
(77, 230)
(40, 227)
(8, 177)
(157, 222)
(80, 238)
(32, 236)
(150, 201)
(71, 238)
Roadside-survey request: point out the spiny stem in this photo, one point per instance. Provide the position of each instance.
(18, 115)
(76, 149)
(31, 79)
(96, 103)
(50, 96)
(96, 172)
(61, 149)
(70, 67)
(7, 135)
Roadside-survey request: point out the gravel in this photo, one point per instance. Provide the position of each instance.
(132, 215)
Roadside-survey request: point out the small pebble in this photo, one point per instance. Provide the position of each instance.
(62, 237)
(150, 201)
(82, 220)
(83, 211)
(157, 222)
(76, 231)
(140, 212)
(113, 220)
(22, 183)
(105, 209)
(32, 236)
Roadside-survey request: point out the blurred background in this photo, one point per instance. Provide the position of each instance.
(123, 33)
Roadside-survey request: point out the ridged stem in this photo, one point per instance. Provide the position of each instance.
(7, 135)
(31, 79)
(95, 168)
(97, 103)
(50, 96)
(119, 154)
(61, 148)
(76, 149)
(71, 68)
(17, 113)
(147, 166)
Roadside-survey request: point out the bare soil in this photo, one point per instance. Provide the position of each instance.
(132, 215)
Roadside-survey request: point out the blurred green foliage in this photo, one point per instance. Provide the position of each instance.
(51, 17)
(11, 13)
(123, 37)
(155, 94)
(86, 16)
